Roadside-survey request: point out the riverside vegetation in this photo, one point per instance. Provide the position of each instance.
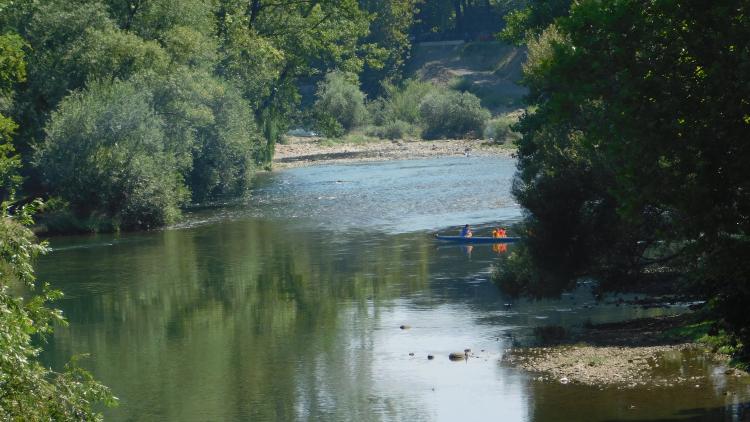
(632, 165)
(631, 156)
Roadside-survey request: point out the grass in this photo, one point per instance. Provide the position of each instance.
(718, 340)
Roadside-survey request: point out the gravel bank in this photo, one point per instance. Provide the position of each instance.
(625, 366)
(627, 354)
(299, 152)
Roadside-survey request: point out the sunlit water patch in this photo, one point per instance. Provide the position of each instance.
(394, 196)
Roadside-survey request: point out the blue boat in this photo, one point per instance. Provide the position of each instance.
(477, 239)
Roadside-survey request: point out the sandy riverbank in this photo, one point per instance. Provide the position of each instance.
(300, 152)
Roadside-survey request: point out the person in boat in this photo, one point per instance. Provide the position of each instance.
(499, 233)
(466, 231)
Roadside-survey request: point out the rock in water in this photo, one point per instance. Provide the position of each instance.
(457, 356)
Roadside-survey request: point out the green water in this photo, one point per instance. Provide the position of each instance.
(288, 306)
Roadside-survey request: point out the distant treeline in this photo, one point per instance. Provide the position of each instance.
(633, 162)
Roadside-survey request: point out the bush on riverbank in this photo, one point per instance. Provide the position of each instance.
(397, 129)
(340, 104)
(106, 153)
(423, 109)
(119, 156)
(500, 130)
(451, 114)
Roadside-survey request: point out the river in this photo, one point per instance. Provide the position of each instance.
(288, 305)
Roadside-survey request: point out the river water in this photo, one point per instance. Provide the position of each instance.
(288, 306)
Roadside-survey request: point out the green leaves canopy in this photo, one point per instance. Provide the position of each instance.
(636, 153)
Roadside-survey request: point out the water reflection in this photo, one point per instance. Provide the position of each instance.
(273, 318)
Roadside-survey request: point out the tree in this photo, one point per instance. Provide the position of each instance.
(12, 69)
(339, 98)
(451, 114)
(529, 21)
(28, 391)
(460, 19)
(106, 154)
(638, 145)
(388, 43)
(302, 39)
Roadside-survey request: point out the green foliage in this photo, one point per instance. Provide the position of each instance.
(209, 128)
(460, 19)
(30, 391)
(639, 141)
(388, 43)
(112, 53)
(434, 111)
(188, 47)
(12, 70)
(53, 29)
(301, 39)
(218, 81)
(395, 129)
(340, 98)
(329, 126)
(500, 129)
(524, 24)
(224, 160)
(452, 114)
(106, 154)
(401, 102)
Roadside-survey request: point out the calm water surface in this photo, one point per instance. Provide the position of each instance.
(287, 306)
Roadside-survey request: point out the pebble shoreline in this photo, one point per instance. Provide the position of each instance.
(302, 152)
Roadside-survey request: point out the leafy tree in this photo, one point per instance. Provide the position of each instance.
(106, 154)
(634, 158)
(388, 42)
(12, 69)
(530, 21)
(28, 391)
(452, 19)
(303, 38)
(339, 97)
(451, 114)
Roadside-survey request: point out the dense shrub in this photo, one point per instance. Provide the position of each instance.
(211, 130)
(397, 129)
(339, 98)
(500, 130)
(402, 103)
(105, 153)
(452, 114)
